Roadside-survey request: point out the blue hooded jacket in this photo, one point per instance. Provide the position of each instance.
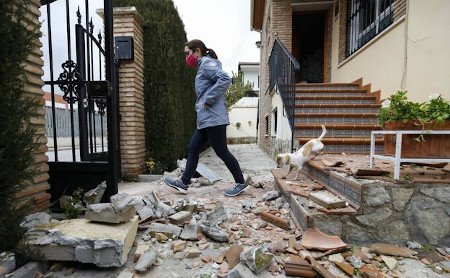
(211, 83)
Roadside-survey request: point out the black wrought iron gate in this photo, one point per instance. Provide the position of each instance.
(88, 85)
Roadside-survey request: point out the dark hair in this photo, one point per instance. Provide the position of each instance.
(194, 44)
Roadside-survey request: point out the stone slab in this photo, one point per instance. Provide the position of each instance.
(326, 199)
(104, 245)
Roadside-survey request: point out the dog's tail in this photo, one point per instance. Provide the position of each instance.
(324, 131)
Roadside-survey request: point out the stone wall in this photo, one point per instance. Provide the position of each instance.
(34, 195)
(395, 213)
(128, 22)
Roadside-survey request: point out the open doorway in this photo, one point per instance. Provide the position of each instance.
(308, 42)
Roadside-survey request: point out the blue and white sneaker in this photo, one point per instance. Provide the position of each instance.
(177, 184)
(236, 190)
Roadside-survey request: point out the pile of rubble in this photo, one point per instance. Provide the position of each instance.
(249, 236)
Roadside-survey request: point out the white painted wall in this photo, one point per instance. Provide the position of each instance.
(412, 54)
(245, 112)
(282, 138)
(251, 74)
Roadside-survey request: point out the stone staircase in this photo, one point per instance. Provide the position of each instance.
(348, 112)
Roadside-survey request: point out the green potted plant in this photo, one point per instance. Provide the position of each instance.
(398, 113)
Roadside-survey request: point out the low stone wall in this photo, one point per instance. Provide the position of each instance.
(394, 213)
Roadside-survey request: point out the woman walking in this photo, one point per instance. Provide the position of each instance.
(211, 83)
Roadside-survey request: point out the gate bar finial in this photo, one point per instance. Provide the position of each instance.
(79, 15)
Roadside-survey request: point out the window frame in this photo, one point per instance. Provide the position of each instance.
(366, 21)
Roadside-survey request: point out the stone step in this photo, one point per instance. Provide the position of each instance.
(346, 145)
(305, 212)
(337, 108)
(336, 118)
(330, 93)
(335, 130)
(300, 99)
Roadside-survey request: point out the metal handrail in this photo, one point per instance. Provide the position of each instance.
(282, 73)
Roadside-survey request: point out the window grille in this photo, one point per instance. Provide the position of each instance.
(365, 20)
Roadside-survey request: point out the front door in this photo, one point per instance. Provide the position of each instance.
(308, 42)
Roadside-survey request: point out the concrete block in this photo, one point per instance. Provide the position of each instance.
(106, 213)
(104, 245)
(95, 195)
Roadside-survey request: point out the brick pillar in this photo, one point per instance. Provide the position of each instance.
(128, 22)
(34, 194)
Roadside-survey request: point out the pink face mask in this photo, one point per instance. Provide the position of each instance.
(191, 60)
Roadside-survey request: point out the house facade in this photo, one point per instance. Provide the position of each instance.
(379, 45)
(250, 72)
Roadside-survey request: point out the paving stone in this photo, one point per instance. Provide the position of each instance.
(104, 245)
(94, 196)
(180, 217)
(257, 259)
(105, 212)
(146, 261)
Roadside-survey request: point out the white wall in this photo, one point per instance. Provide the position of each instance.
(247, 117)
(282, 138)
(424, 35)
(251, 74)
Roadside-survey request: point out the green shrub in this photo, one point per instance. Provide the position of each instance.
(16, 135)
(168, 83)
(398, 108)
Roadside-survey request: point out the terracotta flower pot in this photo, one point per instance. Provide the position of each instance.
(434, 146)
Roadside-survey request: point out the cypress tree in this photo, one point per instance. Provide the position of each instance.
(168, 84)
(16, 135)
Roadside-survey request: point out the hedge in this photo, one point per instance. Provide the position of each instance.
(168, 84)
(16, 135)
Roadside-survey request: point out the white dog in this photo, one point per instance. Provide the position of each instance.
(307, 152)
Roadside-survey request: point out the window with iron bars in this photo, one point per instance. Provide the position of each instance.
(365, 20)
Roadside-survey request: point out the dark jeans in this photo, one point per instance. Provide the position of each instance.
(217, 136)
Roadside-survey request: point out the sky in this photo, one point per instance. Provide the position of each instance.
(223, 26)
